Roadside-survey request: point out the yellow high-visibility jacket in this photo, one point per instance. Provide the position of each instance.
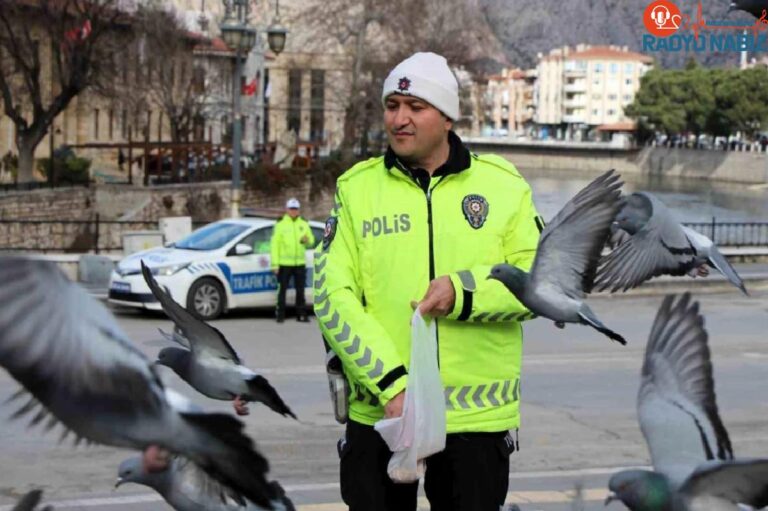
(286, 248)
(386, 239)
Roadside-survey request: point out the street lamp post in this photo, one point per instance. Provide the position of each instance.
(241, 37)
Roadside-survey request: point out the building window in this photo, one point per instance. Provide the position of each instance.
(294, 101)
(596, 81)
(611, 111)
(598, 67)
(628, 81)
(111, 124)
(614, 68)
(597, 96)
(627, 97)
(596, 111)
(629, 68)
(612, 97)
(96, 124)
(317, 105)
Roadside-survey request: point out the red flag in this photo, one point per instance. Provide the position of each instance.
(249, 89)
(79, 34)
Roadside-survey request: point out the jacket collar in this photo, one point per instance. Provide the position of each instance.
(459, 160)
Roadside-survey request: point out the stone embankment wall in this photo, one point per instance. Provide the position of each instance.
(64, 219)
(729, 166)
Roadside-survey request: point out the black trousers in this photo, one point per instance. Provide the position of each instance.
(284, 274)
(471, 474)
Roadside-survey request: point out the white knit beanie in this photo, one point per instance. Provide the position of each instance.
(425, 76)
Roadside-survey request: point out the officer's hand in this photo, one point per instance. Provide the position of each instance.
(155, 459)
(702, 271)
(304, 240)
(394, 408)
(241, 406)
(439, 299)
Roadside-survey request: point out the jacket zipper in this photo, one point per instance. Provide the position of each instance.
(432, 257)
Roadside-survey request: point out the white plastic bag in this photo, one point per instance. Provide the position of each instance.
(420, 431)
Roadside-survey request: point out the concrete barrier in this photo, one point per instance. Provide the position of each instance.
(730, 166)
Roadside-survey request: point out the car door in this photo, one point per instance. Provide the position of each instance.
(252, 282)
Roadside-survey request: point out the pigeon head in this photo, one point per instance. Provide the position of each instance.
(512, 277)
(640, 490)
(175, 358)
(132, 471)
(635, 213)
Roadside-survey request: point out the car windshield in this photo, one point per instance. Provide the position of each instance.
(211, 236)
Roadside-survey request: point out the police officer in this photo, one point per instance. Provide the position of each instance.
(424, 223)
(291, 238)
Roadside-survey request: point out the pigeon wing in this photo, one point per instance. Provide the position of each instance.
(569, 246)
(742, 482)
(202, 337)
(67, 350)
(198, 486)
(676, 401)
(660, 247)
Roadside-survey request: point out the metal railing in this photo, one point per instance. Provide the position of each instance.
(735, 234)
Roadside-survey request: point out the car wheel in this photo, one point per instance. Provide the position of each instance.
(206, 299)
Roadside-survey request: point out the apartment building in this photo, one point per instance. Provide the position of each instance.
(579, 90)
(509, 103)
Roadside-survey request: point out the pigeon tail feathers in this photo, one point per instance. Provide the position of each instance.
(588, 317)
(259, 389)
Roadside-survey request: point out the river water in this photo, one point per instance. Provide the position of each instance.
(692, 200)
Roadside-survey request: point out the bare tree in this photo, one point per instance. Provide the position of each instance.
(376, 35)
(50, 52)
(175, 78)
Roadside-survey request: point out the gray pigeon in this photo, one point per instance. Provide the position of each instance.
(30, 501)
(690, 450)
(187, 488)
(211, 365)
(567, 256)
(657, 245)
(69, 353)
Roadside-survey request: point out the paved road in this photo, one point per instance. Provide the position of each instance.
(578, 395)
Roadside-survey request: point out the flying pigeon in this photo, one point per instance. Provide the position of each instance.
(690, 450)
(757, 8)
(30, 501)
(70, 354)
(567, 256)
(658, 245)
(210, 365)
(187, 488)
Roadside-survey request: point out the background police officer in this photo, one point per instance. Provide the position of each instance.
(422, 226)
(291, 238)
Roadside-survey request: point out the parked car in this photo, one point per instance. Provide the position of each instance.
(222, 266)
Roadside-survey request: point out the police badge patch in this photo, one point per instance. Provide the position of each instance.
(475, 209)
(330, 231)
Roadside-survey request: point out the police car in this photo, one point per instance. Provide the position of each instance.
(222, 266)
